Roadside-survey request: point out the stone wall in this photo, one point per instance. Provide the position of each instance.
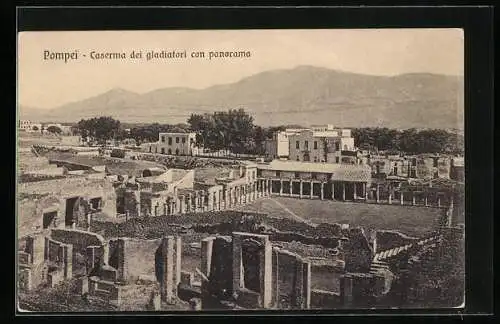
(324, 299)
(78, 238)
(326, 277)
(133, 257)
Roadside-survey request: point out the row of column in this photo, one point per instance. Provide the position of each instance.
(413, 198)
(202, 201)
(357, 186)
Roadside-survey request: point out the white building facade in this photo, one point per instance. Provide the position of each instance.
(173, 144)
(323, 145)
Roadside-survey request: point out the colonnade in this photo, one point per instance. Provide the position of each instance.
(233, 195)
(414, 198)
(313, 189)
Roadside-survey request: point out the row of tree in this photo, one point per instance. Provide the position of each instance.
(411, 141)
(234, 130)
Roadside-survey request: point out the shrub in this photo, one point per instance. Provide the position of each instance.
(117, 153)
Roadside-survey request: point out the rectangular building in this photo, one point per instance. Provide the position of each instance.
(330, 146)
(173, 144)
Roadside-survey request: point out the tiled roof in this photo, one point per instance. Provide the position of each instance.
(340, 172)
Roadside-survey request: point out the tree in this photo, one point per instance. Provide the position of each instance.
(233, 130)
(100, 129)
(54, 129)
(35, 128)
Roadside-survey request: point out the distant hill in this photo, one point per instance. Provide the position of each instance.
(303, 95)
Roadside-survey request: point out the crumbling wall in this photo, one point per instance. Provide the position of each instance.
(78, 238)
(324, 299)
(133, 257)
(326, 277)
(357, 251)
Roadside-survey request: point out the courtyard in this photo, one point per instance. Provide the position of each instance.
(410, 220)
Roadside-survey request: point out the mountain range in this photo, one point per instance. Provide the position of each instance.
(304, 95)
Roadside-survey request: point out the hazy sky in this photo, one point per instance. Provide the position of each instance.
(50, 83)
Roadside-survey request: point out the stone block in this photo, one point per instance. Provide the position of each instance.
(155, 301)
(25, 279)
(249, 299)
(187, 278)
(108, 273)
(35, 246)
(55, 278)
(195, 304)
(23, 257)
(83, 285)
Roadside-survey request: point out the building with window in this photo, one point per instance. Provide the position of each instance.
(326, 145)
(278, 146)
(29, 126)
(173, 144)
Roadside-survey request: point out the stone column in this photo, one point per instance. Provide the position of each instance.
(343, 191)
(426, 203)
(413, 198)
(270, 187)
(401, 197)
(355, 189)
(378, 194)
(167, 283)
(439, 200)
(311, 193)
(333, 190)
(206, 261)
(298, 285)
(181, 204)
(322, 197)
(211, 200)
(281, 187)
(291, 183)
(390, 198)
(193, 201)
(364, 190)
(275, 280)
(301, 188)
(306, 292)
(177, 261)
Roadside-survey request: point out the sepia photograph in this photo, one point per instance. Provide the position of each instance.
(278, 169)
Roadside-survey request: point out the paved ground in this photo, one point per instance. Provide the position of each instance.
(407, 219)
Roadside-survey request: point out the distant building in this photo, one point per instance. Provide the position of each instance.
(278, 146)
(319, 143)
(29, 126)
(422, 166)
(173, 144)
(327, 145)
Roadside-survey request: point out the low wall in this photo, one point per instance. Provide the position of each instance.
(323, 299)
(326, 277)
(79, 239)
(133, 257)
